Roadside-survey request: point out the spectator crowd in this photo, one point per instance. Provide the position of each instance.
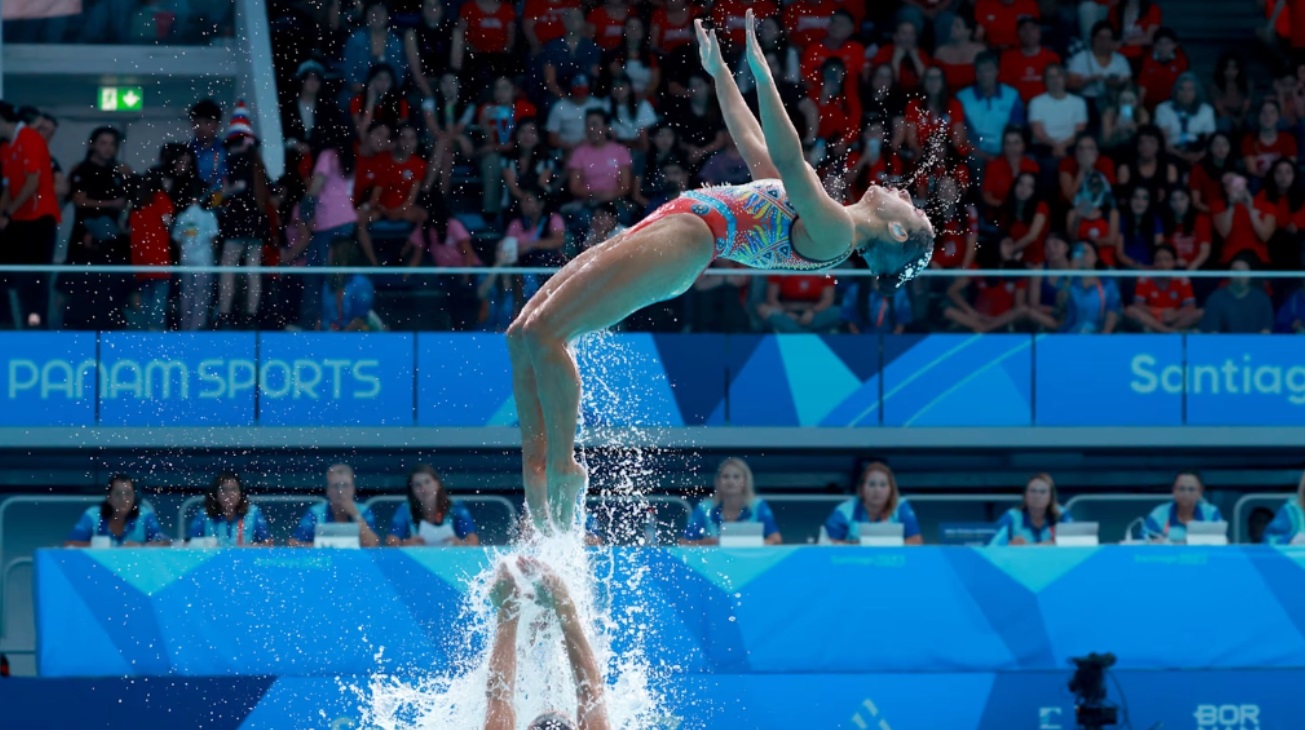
(429, 516)
(494, 134)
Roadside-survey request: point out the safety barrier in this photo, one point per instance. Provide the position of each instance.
(1272, 500)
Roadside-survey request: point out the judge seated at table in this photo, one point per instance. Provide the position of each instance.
(229, 517)
(1034, 522)
(1168, 522)
(877, 500)
(122, 517)
(442, 522)
(735, 500)
(340, 507)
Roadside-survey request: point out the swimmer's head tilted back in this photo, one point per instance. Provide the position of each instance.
(552, 721)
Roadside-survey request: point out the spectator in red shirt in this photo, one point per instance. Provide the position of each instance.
(148, 224)
(1187, 230)
(402, 184)
(29, 214)
(1087, 158)
(800, 304)
(729, 18)
(1094, 217)
(957, 56)
(904, 56)
(987, 303)
(371, 173)
(837, 43)
(1023, 67)
(1285, 195)
(937, 116)
(957, 225)
(1000, 173)
(1244, 223)
(806, 21)
(380, 100)
(1161, 68)
(1136, 22)
(607, 22)
(489, 28)
(1026, 218)
(1000, 19)
(1263, 148)
(542, 22)
(672, 26)
(1206, 180)
(873, 162)
(839, 117)
(1164, 304)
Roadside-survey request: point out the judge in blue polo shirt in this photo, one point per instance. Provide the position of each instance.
(1168, 522)
(340, 507)
(1034, 522)
(877, 500)
(1288, 526)
(442, 522)
(229, 516)
(735, 500)
(122, 517)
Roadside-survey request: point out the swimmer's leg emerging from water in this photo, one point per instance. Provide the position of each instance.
(530, 414)
(596, 290)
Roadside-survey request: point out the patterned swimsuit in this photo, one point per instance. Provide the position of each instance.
(752, 224)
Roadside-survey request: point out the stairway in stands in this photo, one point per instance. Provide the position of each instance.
(1207, 28)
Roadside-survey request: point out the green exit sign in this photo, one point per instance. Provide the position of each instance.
(122, 98)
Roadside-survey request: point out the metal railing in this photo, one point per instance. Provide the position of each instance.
(1239, 507)
(4, 602)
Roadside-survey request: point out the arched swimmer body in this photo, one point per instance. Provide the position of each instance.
(783, 219)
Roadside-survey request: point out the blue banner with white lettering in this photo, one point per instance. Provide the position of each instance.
(652, 380)
(177, 378)
(335, 379)
(48, 379)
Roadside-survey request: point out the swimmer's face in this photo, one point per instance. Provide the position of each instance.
(900, 218)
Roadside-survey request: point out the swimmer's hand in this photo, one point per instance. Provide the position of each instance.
(505, 595)
(756, 57)
(550, 591)
(713, 62)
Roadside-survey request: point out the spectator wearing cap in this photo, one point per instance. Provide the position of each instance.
(1245, 223)
(1056, 117)
(124, 518)
(877, 500)
(990, 107)
(567, 124)
(1267, 144)
(1164, 304)
(1239, 307)
(340, 506)
(735, 500)
(570, 56)
(430, 517)
(1034, 522)
(1161, 68)
(1098, 68)
(1000, 19)
(1288, 525)
(229, 517)
(1023, 67)
(210, 153)
(490, 30)
(1168, 522)
(29, 213)
(436, 45)
(1136, 23)
(361, 54)
(904, 56)
(1090, 304)
(242, 217)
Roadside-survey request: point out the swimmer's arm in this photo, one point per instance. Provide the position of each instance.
(584, 666)
(742, 126)
(827, 223)
(501, 713)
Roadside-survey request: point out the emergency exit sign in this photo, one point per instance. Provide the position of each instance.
(122, 98)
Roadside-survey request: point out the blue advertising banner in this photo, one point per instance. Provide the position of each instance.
(48, 378)
(464, 379)
(803, 380)
(177, 378)
(1123, 380)
(958, 380)
(335, 379)
(1245, 380)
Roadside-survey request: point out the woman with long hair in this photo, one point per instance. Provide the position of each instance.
(447, 119)
(1150, 166)
(1206, 178)
(734, 499)
(1026, 218)
(532, 164)
(124, 518)
(1186, 120)
(229, 517)
(1285, 194)
(1230, 92)
(877, 500)
(1094, 217)
(1034, 522)
(935, 118)
(431, 517)
(98, 186)
(327, 206)
(1140, 230)
(1187, 229)
(381, 100)
(956, 56)
(634, 59)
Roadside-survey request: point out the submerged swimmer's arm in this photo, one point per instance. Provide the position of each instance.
(828, 224)
(743, 127)
(589, 683)
(501, 690)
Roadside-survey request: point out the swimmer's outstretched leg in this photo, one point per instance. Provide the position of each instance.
(600, 288)
(530, 414)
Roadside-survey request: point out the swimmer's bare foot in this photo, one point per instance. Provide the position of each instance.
(537, 502)
(564, 486)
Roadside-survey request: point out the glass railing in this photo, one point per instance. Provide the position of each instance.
(127, 22)
(723, 300)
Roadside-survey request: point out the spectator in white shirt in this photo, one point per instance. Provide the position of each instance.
(1186, 120)
(1056, 117)
(566, 121)
(1095, 70)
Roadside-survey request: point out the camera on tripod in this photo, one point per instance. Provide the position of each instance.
(1089, 687)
